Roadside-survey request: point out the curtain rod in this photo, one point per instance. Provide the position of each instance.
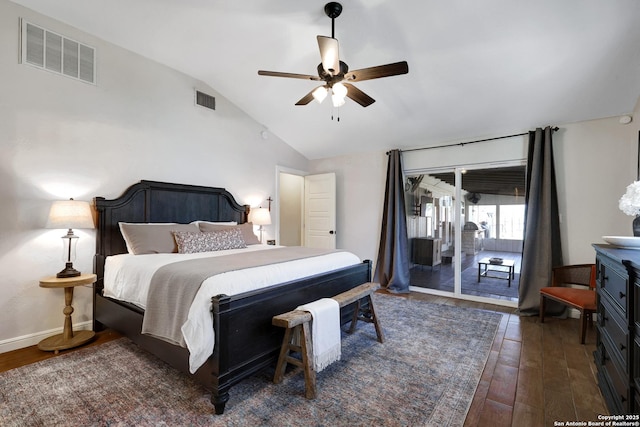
(461, 144)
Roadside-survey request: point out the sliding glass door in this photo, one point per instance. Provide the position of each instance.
(465, 229)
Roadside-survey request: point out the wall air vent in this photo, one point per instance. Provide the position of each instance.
(53, 52)
(205, 100)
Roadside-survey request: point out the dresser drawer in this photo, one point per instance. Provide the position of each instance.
(616, 381)
(613, 328)
(613, 280)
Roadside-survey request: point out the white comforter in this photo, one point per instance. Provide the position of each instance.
(127, 278)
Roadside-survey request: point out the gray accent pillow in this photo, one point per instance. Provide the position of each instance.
(246, 228)
(152, 238)
(208, 241)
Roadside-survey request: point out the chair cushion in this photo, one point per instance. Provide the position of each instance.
(579, 298)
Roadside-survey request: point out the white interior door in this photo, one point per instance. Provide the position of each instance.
(320, 211)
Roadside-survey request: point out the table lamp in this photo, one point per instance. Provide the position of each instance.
(260, 216)
(70, 214)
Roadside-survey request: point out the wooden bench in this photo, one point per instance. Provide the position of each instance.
(297, 325)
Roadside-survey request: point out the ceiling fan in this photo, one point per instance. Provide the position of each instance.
(336, 74)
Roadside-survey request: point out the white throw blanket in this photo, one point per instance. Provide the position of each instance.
(325, 331)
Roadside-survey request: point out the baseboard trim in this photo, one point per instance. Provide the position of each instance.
(33, 339)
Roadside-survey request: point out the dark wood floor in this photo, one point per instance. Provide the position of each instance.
(28, 355)
(536, 373)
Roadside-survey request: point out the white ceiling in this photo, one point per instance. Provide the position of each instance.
(477, 68)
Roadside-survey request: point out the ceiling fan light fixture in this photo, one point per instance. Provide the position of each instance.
(338, 101)
(339, 92)
(320, 93)
(339, 89)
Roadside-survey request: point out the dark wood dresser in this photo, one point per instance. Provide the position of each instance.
(617, 354)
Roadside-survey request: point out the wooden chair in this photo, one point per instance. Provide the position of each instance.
(579, 298)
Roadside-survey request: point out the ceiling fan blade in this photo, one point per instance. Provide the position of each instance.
(289, 75)
(359, 96)
(387, 70)
(329, 53)
(306, 99)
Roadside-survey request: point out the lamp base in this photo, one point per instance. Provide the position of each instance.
(68, 271)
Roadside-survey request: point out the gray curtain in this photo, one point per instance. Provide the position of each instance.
(392, 267)
(542, 249)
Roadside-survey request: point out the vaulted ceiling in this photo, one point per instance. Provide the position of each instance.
(476, 68)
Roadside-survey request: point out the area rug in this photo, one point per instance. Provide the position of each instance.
(425, 374)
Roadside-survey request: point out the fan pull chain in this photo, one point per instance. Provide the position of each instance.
(337, 115)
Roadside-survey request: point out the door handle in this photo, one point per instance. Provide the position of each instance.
(332, 232)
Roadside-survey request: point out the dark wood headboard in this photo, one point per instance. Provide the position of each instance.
(151, 201)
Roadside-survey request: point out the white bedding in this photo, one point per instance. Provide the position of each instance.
(127, 278)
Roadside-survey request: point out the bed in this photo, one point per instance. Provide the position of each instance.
(245, 342)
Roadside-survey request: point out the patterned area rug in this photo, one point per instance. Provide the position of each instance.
(425, 374)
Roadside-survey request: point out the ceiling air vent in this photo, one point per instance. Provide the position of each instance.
(205, 100)
(53, 52)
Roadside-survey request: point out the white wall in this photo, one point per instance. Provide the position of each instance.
(595, 161)
(360, 182)
(62, 138)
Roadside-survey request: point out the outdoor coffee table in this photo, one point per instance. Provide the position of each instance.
(498, 269)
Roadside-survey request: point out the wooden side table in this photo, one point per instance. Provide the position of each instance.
(67, 339)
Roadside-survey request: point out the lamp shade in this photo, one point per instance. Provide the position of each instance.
(260, 216)
(70, 214)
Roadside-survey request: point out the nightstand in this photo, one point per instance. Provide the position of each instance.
(68, 338)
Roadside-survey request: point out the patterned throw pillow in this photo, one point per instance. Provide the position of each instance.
(246, 228)
(192, 242)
